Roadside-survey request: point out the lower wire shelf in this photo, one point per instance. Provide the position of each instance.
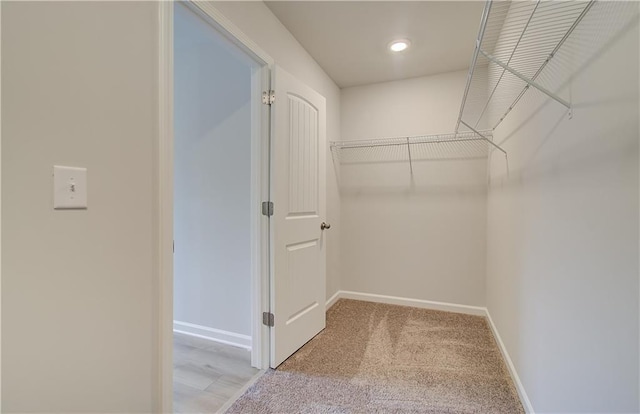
(460, 146)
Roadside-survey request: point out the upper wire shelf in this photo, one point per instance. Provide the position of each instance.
(515, 43)
(461, 146)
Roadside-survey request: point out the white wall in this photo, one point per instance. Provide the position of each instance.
(258, 23)
(562, 267)
(79, 88)
(212, 190)
(421, 239)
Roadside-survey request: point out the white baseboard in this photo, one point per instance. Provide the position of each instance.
(512, 369)
(416, 303)
(212, 334)
(333, 299)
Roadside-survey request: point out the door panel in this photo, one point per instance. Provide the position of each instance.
(303, 157)
(298, 192)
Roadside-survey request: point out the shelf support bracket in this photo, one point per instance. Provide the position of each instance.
(410, 160)
(496, 146)
(529, 82)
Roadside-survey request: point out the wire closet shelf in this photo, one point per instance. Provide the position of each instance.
(461, 146)
(515, 43)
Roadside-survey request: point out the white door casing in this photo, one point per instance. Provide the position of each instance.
(298, 192)
(164, 181)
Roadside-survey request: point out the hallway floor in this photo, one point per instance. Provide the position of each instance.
(207, 374)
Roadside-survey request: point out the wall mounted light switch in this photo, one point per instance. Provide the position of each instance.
(69, 187)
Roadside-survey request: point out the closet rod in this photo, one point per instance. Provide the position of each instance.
(349, 145)
(463, 145)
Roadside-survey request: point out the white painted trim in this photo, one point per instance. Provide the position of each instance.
(259, 179)
(260, 154)
(256, 218)
(512, 369)
(0, 218)
(213, 334)
(333, 299)
(164, 211)
(221, 23)
(416, 303)
(638, 11)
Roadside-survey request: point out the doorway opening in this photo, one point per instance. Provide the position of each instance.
(220, 175)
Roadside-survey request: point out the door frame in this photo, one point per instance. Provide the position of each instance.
(163, 216)
(0, 211)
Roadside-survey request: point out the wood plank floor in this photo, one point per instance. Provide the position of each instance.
(207, 374)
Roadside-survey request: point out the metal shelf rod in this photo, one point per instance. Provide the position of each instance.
(484, 138)
(551, 55)
(410, 161)
(395, 144)
(474, 58)
(520, 38)
(513, 51)
(465, 145)
(527, 80)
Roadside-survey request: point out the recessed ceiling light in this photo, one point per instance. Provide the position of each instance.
(399, 45)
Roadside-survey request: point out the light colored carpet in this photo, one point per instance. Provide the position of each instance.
(378, 358)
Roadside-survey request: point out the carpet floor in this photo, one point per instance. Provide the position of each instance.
(378, 358)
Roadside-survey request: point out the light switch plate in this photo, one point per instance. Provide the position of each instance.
(69, 187)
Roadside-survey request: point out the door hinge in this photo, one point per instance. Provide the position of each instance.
(268, 97)
(268, 319)
(267, 208)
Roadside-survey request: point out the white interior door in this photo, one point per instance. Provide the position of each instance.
(298, 192)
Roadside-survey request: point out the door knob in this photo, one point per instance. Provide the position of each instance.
(325, 226)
